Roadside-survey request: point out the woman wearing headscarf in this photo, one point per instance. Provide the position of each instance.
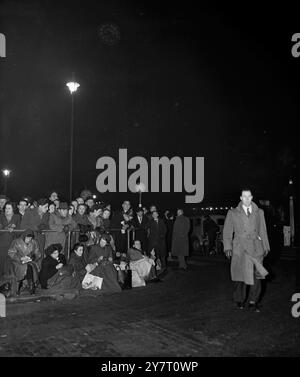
(100, 263)
(142, 267)
(26, 260)
(54, 273)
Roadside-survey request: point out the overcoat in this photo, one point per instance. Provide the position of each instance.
(57, 223)
(247, 238)
(180, 237)
(19, 249)
(157, 237)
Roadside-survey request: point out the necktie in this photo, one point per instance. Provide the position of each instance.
(248, 212)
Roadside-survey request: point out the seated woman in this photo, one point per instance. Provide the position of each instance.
(54, 273)
(100, 263)
(26, 260)
(77, 262)
(143, 267)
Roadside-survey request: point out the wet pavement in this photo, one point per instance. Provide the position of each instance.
(190, 313)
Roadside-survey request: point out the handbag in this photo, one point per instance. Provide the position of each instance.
(6, 290)
(91, 282)
(124, 277)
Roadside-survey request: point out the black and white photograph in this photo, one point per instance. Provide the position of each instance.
(149, 216)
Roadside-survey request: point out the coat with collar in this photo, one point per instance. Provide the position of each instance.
(180, 237)
(247, 238)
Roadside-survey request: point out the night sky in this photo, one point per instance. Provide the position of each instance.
(172, 80)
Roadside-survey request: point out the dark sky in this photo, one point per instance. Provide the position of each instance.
(171, 80)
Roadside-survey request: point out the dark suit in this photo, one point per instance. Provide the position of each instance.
(120, 238)
(141, 230)
(157, 239)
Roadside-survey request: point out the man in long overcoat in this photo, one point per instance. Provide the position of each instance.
(246, 243)
(180, 238)
(157, 239)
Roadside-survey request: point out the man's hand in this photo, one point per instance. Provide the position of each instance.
(228, 253)
(66, 228)
(58, 266)
(25, 259)
(90, 267)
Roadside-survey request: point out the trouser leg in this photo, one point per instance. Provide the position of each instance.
(29, 273)
(255, 290)
(239, 292)
(181, 260)
(163, 261)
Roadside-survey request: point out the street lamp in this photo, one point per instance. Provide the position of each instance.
(6, 174)
(73, 86)
(292, 219)
(140, 188)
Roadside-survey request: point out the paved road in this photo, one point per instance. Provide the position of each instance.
(189, 314)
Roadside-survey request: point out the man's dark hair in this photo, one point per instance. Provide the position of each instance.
(95, 207)
(23, 200)
(246, 189)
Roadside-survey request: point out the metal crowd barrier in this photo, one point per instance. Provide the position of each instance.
(130, 235)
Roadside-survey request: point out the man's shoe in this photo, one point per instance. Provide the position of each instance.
(183, 268)
(240, 305)
(253, 307)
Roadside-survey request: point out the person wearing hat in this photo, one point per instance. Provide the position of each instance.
(61, 222)
(37, 219)
(26, 260)
(55, 274)
(180, 238)
(100, 263)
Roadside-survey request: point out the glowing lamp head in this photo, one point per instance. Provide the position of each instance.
(73, 86)
(140, 187)
(6, 172)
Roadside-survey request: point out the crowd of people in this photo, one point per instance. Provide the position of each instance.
(106, 247)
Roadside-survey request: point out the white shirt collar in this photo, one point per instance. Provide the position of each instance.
(245, 208)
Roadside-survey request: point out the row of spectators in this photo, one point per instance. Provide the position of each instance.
(30, 230)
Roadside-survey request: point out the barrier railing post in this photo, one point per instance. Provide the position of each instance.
(128, 239)
(69, 245)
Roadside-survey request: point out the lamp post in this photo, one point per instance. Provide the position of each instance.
(6, 174)
(292, 219)
(140, 188)
(73, 86)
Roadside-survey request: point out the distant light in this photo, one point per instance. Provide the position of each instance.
(290, 181)
(73, 86)
(94, 196)
(6, 172)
